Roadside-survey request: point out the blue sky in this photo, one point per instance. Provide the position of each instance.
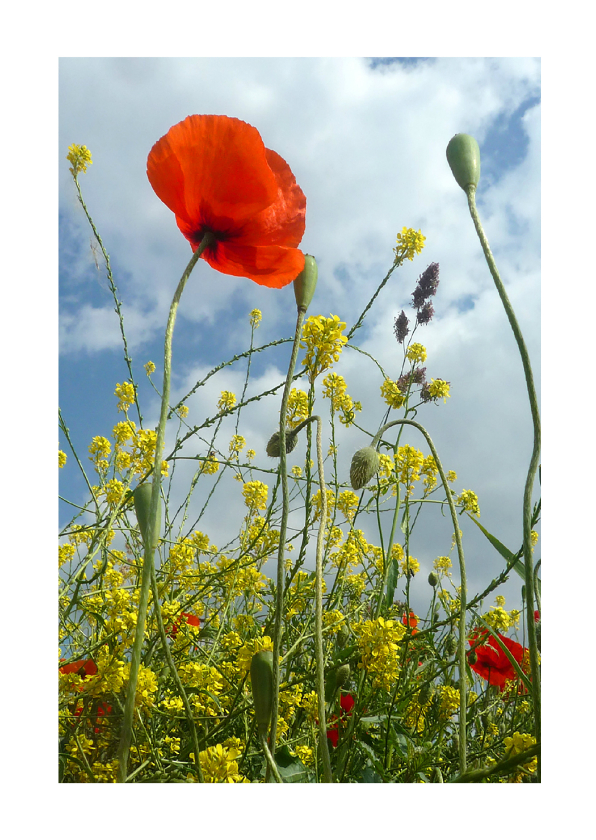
(366, 141)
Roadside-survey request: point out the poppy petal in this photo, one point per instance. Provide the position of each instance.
(269, 265)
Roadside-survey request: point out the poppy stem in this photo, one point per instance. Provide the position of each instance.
(279, 592)
(152, 536)
(463, 701)
(533, 467)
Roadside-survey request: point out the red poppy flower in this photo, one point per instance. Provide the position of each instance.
(83, 667)
(191, 619)
(492, 664)
(410, 621)
(346, 703)
(216, 175)
(536, 616)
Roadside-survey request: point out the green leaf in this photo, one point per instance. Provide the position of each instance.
(291, 769)
(368, 776)
(503, 551)
(392, 576)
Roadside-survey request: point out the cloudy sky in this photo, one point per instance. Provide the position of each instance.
(366, 141)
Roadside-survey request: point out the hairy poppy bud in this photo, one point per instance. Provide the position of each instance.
(342, 676)
(451, 644)
(433, 579)
(365, 464)
(274, 447)
(142, 500)
(261, 678)
(306, 282)
(472, 657)
(463, 156)
(424, 694)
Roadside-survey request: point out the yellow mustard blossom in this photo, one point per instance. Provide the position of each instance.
(248, 650)
(297, 408)
(114, 491)
(469, 501)
(61, 458)
(124, 432)
(250, 454)
(352, 553)
(451, 476)
(66, 552)
(416, 353)
(439, 388)
(80, 157)
(391, 394)
(255, 318)
(305, 754)
(316, 501)
(149, 368)
(409, 243)
(410, 566)
(100, 447)
(442, 564)
(334, 388)
(255, 495)
(219, 764)
(297, 472)
(430, 470)
(533, 538)
(386, 465)
(126, 395)
(409, 462)
(519, 743)
(333, 621)
(210, 464)
(183, 411)
(378, 643)
(347, 503)
(416, 711)
(449, 701)
(323, 340)
(237, 444)
(226, 401)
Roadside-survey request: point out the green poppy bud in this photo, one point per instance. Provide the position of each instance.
(342, 676)
(142, 500)
(433, 579)
(450, 645)
(463, 156)
(424, 694)
(261, 678)
(274, 447)
(472, 657)
(306, 283)
(365, 464)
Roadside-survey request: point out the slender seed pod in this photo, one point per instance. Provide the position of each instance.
(306, 283)
(261, 677)
(463, 156)
(142, 500)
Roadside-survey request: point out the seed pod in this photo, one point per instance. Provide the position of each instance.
(463, 156)
(274, 447)
(450, 645)
(306, 283)
(424, 694)
(433, 579)
(261, 677)
(365, 464)
(472, 657)
(142, 500)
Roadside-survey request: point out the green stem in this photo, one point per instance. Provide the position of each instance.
(269, 758)
(463, 590)
(534, 462)
(282, 527)
(135, 661)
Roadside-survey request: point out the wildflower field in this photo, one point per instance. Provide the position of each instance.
(183, 661)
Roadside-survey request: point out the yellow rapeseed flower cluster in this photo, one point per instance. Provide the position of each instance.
(323, 340)
(126, 395)
(80, 157)
(409, 243)
(255, 318)
(226, 401)
(469, 501)
(334, 388)
(391, 394)
(378, 642)
(255, 495)
(297, 408)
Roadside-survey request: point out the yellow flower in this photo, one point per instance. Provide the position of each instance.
(297, 408)
(126, 395)
(391, 394)
(255, 495)
(226, 401)
(439, 388)
(61, 458)
(149, 368)
(416, 353)
(409, 243)
(80, 157)
(469, 501)
(323, 340)
(255, 318)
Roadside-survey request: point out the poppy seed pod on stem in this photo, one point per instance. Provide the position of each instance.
(274, 447)
(463, 156)
(306, 283)
(261, 678)
(365, 464)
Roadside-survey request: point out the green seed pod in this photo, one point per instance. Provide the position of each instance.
(306, 283)
(424, 694)
(472, 657)
(274, 448)
(463, 156)
(365, 464)
(433, 579)
(261, 677)
(142, 500)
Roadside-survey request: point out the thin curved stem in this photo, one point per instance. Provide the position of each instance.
(534, 463)
(152, 537)
(282, 527)
(463, 706)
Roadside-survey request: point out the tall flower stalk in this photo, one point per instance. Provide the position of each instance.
(463, 156)
(152, 535)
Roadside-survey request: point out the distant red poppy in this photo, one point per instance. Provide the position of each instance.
(83, 667)
(410, 621)
(216, 175)
(536, 616)
(191, 619)
(492, 664)
(347, 704)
